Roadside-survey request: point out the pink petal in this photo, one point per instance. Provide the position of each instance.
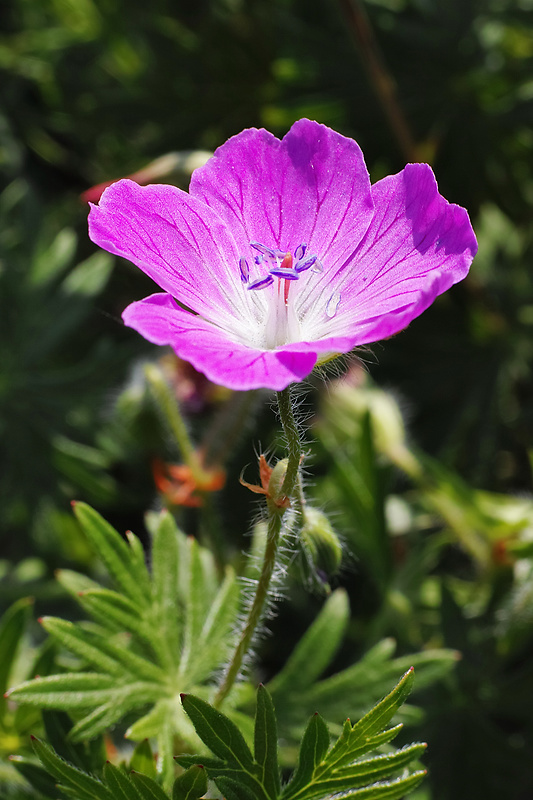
(160, 320)
(311, 187)
(417, 246)
(175, 239)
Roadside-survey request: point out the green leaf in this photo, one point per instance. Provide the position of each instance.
(71, 780)
(101, 652)
(167, 549)
(235, 789)
(66, 690)
(36, 776)
(119, 784)
(322, 772)
(82, 690)
(266, 743)
(118, 557)
(388, 790)
(382, 713)
(148, 788)
(75, 583)
(316, 648)
(218, 732)
(48, 264)
(12, 629)
(143, 759)
(216, 637)
(82, 643)
(160, 634)
(313, 748)
(197, 603)
(100, 720)
(114, 610)
(90, 277)
(58, 726)
(191, 785)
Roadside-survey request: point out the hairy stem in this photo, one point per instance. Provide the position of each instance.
(168, 406)
(275, 520)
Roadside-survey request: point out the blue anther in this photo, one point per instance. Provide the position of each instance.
(261, 282)
(245, 270)
(318, 266)
(259, 259)
(305, 263)
(266, 251)
(288, 274)
(300, 251)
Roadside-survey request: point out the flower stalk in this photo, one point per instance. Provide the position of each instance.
(274, 529)
(167, 405)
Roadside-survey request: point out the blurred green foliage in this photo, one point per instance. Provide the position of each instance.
(95, 89)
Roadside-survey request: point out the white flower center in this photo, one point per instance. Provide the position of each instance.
(277, 269)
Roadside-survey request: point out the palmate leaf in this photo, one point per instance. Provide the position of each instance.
(346, 768)
(157, 635)
(115, 783)
(298, 691)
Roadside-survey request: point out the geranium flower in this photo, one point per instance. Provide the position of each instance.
(283, 254)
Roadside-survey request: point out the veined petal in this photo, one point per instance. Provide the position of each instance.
(160, 320)
(178, 241)
(417, 246)
(312, 187)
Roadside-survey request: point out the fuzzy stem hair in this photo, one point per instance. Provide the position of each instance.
(275, 520)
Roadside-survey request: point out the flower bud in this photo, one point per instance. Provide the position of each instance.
(320, 543)
(348, 404)
(275, 483)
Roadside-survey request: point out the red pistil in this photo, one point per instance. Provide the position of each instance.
(286, 264)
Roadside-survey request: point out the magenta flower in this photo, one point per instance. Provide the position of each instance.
(283, 254)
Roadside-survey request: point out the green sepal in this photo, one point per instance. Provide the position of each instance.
(191, 785)
(266, 743)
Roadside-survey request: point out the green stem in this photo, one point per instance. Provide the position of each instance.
(169, 408)
(275, 519)
(223, 435)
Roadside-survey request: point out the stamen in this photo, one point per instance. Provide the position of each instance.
(245, 270)
(261, 282)
(333, 304)
(266, 251)
(305, 263)
(288, 274)
(299, 253)
(285, 269)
